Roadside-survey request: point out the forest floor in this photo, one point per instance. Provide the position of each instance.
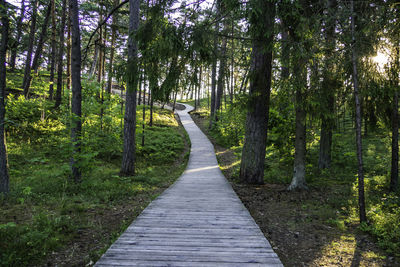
(47, 221)
(295, 223)
(111, 221)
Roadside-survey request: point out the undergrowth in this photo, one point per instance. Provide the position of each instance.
(45, 212)
(340, 207)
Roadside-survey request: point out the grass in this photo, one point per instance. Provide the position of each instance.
(48, 219)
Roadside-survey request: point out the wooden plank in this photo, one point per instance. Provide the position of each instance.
(183, 258)
(210, 249)
(198, 221)
(192, 243)
(112, 262)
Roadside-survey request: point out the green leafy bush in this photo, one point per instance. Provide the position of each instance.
(23, 245)
(385, 223)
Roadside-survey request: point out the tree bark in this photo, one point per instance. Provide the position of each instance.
(111, 62)
(394, 173)
(28, 61)
(139, 100)
(53, 49)
(151, 109)
(38, 53)
(285, 56)
(76, 104)
(299, 169)
(214, 73)
(95, 56)
(128, 156)
(328, 89)
(100, 47)
(14, 49)
(69, 50)
(199, 90)
(4, 178)
(253, 154)
(144, 109)
(361, 198)
(221, 75)
(60, 56)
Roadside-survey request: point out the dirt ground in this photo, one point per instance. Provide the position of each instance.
(296, 232)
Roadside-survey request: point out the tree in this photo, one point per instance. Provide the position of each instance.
(214, 72)
(14, 48)
(222, 64)
(298, 32)
(394, 171)
(38, 52)
(60, 55)
(354, 59)
(53, 48)
(4, 179)
(76, 103)
(32, 30)
(328, 88)
(262, 15)
(132, 73)
(394, 81)
(111, 62)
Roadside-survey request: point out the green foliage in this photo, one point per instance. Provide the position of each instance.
(44, 208)
(339, 210)
(229, 129)
(26, 244)
(385, 223)
(21, 113)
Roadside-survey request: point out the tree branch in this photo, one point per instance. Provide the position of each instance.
(100, 25)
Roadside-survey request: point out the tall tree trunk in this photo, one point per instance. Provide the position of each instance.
(111, 62)
(151, 109)
(28, 61)
(95, 56)
(262, 18)
(328, 89)
(195, 87)
(361, 198)
(199, 90)
(214, 73)
(140, 88)
(244, 82)
(60, 56)
(4, 178)
(299, 168)
(69, 49)
(144, 109)
(285, 54)
(221, 78)
(128, 156)
(38, 53)
(14, 49)
(53, 48)
(76, 104)
(231, 92)
(100, 44)
(394, 173)
(175, 96)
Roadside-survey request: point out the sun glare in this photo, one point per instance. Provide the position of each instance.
(381, 59)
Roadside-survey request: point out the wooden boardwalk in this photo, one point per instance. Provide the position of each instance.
(198, 221)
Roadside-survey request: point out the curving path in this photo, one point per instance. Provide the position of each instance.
(198, 221)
